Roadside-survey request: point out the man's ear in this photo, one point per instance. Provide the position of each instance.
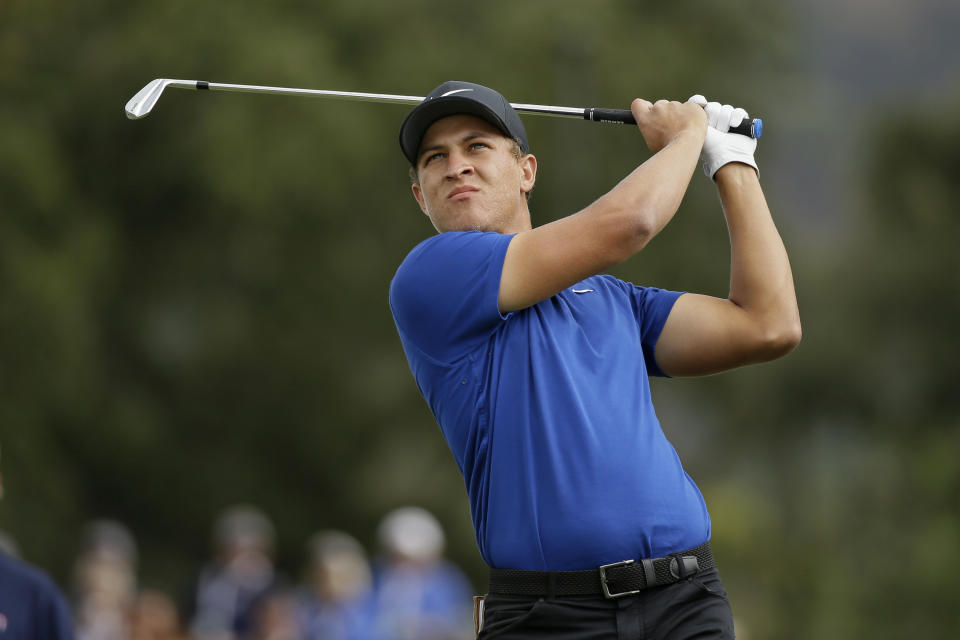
(418, 194)
(528, 172)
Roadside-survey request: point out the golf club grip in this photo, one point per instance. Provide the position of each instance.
(752, 127)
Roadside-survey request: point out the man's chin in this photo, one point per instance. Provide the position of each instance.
(475, 225)
(466, 221)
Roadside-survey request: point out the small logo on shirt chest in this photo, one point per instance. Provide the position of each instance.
(582, 290)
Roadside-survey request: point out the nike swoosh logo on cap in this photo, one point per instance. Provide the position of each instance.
(450, 93)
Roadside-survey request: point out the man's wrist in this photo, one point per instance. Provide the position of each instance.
(690, 138)
(694, 132)
(735, 172)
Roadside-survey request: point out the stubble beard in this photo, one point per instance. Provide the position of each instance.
(493, 216)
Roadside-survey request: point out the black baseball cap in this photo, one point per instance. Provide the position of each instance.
(456, 98)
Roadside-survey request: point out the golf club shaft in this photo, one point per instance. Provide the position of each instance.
(751, 127)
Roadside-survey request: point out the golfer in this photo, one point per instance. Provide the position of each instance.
(536, 366)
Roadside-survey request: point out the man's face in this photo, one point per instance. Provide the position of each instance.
(470, 178)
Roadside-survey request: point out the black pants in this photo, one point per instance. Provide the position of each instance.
(696, 607)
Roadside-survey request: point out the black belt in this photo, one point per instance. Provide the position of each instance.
(610, 580)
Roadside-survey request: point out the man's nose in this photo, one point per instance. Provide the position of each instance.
(459, 165)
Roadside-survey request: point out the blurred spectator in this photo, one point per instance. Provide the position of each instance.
(105, 581)
(31, 606)
(241, 572)
(154, 617)
(336, 602)
(274, 617)
(418, 594)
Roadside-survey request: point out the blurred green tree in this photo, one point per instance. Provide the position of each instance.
(847, 479)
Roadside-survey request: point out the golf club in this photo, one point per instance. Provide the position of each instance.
(140, 105)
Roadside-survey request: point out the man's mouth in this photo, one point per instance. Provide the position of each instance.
(462, 193)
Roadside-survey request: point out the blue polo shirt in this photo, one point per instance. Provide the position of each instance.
(547, 410)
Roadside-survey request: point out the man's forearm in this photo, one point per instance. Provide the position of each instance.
(651, 194)
(761, 281)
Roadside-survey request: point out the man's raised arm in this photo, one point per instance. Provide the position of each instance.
(759, 320)
(543, 261)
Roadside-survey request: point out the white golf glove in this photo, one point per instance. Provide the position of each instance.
(720, 147)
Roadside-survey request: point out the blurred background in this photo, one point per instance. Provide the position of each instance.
(193, 307)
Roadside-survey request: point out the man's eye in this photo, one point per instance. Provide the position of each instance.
(432, 157)
(478, 145)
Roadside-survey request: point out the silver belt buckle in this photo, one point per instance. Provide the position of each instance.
(603, 580)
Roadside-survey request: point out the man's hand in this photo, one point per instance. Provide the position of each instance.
(720, 147)
(663, 120)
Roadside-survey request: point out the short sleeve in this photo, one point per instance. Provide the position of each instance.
(444, 295)
(651, 306)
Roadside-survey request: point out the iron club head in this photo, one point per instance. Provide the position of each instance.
(140, 105)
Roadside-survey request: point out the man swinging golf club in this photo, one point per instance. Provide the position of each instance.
(536, 366)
